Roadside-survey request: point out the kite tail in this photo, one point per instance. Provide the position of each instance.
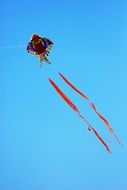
(91, 104)
(95, 132)
(72, 105)
(105, 122)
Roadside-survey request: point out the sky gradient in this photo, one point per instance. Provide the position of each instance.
(44, 145)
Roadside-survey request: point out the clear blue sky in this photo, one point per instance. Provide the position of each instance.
(43, 144)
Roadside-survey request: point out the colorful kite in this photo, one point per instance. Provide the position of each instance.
(41, 47)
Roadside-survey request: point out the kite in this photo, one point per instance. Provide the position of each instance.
(41, 47)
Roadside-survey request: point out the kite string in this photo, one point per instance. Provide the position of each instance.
(11, 47)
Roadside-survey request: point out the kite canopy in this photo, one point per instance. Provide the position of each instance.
(40, 47)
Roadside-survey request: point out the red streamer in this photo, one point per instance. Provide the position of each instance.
(91, 104)
(72, 105)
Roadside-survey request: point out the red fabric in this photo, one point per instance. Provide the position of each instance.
(91, 104)
(72, 105)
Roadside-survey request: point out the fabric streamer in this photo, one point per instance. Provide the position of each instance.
(72, 105)
(91, 104)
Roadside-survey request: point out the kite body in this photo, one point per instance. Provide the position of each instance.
(40, 47)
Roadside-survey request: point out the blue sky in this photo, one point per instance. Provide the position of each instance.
(44, 145)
